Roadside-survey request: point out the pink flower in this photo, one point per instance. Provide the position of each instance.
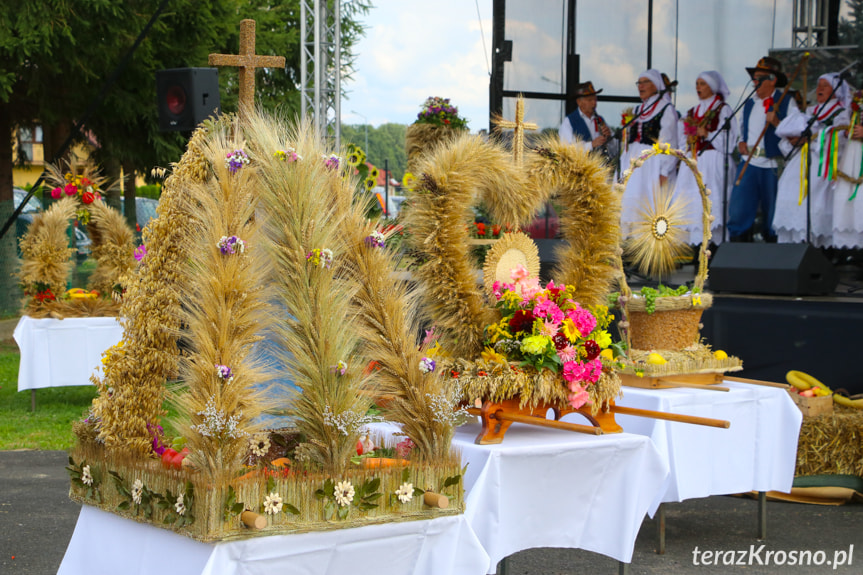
(588, 371)
(549, 327)
(519, 273)
(140, 252)
(56, 193)
(529, 287)
(70, 189)
(498, 288)
(579, 397)
(567, 354)
(547, 308)
(582, 318)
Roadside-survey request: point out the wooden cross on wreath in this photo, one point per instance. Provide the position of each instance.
(518, 127)
(247, 61)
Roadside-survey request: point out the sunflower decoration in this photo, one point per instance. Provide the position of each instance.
(409, 180)
(657, 240)
(511, 250)
(356, 156)
(374, 173)
(370, 183)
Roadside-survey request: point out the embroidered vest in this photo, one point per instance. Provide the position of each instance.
(770, 143)
(647, 132)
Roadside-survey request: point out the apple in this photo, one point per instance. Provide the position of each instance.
(808, 393)
(167, 456)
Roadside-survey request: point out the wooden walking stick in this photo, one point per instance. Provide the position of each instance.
(773, 108)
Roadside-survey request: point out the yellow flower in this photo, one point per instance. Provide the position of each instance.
(354, 159)
(535, 344)
(607, 353)
(569, 330)
(409, 180)
(499, 331)
(662, 148)
(603, 339)
(369, 184)
(491, 356)
(436, 351)
(511, 298)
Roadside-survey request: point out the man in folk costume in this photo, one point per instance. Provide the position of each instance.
(584, 126)
(654, 121)
(847, 229)
(820, 152)
(758, 186)
(703, 139)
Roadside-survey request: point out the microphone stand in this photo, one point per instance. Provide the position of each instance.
(619, 132)
(726, 127)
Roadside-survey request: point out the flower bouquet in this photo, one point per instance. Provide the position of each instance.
(437, 121)
(545, 329)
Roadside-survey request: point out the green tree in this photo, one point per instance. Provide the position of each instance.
(56, 54)
(851, 34)
(386, 142)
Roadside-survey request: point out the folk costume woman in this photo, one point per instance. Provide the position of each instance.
(848, 193)
(655, 123)
(821, 154)
(702, 138)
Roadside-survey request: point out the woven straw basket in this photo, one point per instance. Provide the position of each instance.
(676, 320)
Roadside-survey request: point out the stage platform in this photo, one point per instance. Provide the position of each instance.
(775, 334)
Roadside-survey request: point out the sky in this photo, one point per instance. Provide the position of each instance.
(413, 50)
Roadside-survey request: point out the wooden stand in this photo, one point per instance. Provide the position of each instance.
(707, 381)
(498, 416)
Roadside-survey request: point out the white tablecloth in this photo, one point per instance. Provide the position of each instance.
(758, 452)
(552, 488)
(57, 353)
(105, 544)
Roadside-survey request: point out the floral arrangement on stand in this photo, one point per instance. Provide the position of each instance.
(438, 121)
(235, 258)
(47, 260)
(544, 328)
(439, 111)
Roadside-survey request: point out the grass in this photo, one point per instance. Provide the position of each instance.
(50, 427)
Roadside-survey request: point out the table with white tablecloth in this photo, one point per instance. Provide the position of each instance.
(756, 453)
(106, 544)
(550, 488)
(58, 353)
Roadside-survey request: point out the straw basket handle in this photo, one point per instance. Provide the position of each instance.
(701, 276)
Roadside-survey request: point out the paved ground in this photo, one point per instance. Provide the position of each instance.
(37, 520)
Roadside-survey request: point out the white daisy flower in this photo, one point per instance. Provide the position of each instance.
(344, 493)
(405, 492)
(86, 478)
(272, 503)
(180, 506)
(260, 445)
(137, 491)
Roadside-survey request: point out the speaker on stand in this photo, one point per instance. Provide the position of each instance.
(780, 269)
(186, 97)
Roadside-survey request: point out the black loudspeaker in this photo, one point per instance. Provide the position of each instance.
(186, 96)
(782, 269)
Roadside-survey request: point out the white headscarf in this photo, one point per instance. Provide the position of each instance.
(654, 76)
(716, 82)
(841, 93)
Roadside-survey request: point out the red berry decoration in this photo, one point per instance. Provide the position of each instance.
(592, 349)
